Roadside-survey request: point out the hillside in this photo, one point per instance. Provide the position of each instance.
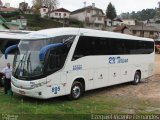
(35, 22)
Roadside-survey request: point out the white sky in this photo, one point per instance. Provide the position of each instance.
(120, 5)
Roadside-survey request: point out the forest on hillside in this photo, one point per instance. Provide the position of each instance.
(145, 14)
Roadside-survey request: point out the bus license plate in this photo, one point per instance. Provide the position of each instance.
(21, 92)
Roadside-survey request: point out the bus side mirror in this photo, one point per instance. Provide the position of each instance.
(9, 49)
(45, 49)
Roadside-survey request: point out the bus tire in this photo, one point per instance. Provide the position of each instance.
(137, 78)
(76, 90)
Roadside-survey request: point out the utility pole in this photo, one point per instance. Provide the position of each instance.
(85, 13)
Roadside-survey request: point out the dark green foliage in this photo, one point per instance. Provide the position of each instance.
(11, 14)
(35, 22)
(145, 14)
(75, 23)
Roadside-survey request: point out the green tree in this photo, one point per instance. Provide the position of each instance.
(144, 14)
(125, 15)
(50, 4)
(111, 12)
(23, 6)
(37, 4)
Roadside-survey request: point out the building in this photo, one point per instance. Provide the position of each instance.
(153, 22)
(18, 24)
(115, 22)
(60, 13)
(13, 25)
(3, 25)
(129, 21)
(8, 10)
(43, 11)
(141, 31)
(92, 17)
(144, 31)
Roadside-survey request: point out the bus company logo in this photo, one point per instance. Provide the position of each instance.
(56, 89)
(117, 60)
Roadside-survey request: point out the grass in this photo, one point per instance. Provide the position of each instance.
(94, 102)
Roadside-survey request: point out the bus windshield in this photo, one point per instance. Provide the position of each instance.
(27, 64)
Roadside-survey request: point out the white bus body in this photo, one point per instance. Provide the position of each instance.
(95, 59)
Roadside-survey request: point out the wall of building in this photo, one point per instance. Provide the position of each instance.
(59, 14)
(147, 34)
(79, 16)
(129, 22)
(99, 20)
(43, 11)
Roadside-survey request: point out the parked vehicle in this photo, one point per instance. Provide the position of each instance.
(157, 46)
(70, 61)
(8, 38)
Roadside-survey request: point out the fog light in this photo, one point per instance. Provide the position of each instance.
(39, 93)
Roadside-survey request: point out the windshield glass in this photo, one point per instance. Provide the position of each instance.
(27, 64)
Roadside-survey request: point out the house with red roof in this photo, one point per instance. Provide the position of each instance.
(59, 13)
(7, 9)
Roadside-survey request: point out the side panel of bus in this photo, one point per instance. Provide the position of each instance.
(100, 61)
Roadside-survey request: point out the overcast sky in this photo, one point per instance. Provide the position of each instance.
(120, 5)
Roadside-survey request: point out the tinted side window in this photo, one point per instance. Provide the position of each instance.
(110, 46)
(57, 58)
(125, 47)
(118, 47)
(91, 46)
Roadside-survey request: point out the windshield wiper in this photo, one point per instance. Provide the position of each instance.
(20, 64)
(29, 64)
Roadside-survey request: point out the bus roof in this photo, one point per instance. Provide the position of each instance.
(48, 33)
(13, 34)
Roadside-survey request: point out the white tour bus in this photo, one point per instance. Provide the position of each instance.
(8, 38)
(70, 61)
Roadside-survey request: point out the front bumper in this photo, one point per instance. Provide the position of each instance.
(35, 93)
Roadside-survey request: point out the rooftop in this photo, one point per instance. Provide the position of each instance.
(86, 8)
(144, 28)
(10, 9)
(62, 10)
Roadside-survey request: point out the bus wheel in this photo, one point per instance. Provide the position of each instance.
(76, 90)
(137, 78)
